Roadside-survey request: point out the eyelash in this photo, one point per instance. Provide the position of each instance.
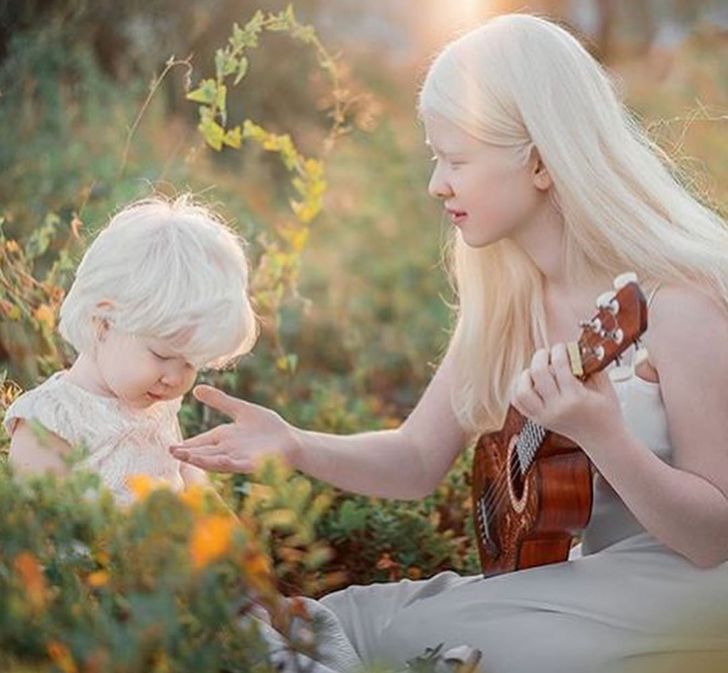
(454, 164)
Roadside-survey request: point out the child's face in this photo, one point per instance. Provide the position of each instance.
(486, 194)
(141, 370)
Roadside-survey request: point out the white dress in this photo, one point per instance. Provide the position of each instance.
(121, 441)
(624, 602)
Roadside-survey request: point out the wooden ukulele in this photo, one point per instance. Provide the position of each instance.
(531, 488)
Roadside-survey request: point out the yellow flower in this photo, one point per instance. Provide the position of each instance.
(33, 578)
(61, 657)
(44, 314)
(12, 246)
(141, 485)
(193, 497)
(210, 539)
(258, 570)
(98, 579)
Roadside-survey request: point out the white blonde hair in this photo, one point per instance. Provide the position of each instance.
(521, 81)
(169, 269)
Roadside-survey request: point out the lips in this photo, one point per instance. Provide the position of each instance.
(456, 215)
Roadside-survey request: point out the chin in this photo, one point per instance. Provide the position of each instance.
(479, 241)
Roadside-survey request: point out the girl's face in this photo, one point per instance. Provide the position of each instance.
(141, 370)
(486, 194)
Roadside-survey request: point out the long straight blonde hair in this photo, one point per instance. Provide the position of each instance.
(521, 81)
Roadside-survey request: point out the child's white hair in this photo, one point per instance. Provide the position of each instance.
(521, 81)
(169, 269)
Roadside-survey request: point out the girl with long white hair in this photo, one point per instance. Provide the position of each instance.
(552, 190)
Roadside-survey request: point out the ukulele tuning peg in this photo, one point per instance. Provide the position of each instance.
(605, 299)
(623, 279)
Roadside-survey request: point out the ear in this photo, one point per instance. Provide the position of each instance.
(102, 323)
(540, 175)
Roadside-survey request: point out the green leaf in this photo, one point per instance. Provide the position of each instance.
(205, 93)
(225, 63)
(233, 137)
(352, 517)
(40, 239)
(213, 133)
(242, 69)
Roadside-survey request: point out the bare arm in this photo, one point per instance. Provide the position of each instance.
(30, 454)
(406, 463)
(684, 505)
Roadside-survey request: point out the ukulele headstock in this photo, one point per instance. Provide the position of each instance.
(619, 322)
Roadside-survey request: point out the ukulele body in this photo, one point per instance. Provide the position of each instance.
(532, 489)
(526, 522)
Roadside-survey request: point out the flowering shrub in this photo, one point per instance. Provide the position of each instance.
(165, 585)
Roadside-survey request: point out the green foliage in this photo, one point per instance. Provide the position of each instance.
(87, 586)
(380, 540)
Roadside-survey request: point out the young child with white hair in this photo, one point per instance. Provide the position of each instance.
(160, 294)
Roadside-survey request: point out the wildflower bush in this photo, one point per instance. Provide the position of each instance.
(166, 585)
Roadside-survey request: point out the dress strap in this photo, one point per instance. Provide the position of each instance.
(652, 294)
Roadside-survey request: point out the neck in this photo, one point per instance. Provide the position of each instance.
(542, 239)
(85, 373)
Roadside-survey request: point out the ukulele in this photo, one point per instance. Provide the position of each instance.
(532, 488)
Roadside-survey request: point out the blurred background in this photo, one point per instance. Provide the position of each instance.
(81, 136)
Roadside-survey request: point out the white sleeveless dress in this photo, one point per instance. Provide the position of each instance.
(623, 602)
(121, 440)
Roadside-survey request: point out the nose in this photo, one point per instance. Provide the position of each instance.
(173, 376)
(438, 187)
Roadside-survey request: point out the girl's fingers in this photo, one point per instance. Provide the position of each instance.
(561, 365)
(214, 436)
(526, 399)
(186, 453)
(212, 460)
(217, 399)
(542, 375)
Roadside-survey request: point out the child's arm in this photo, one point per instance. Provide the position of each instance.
(30, 454)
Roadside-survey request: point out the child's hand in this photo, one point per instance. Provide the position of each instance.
(550, 394)
(256, 432)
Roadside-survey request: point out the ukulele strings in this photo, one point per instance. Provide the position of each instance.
(497, 493)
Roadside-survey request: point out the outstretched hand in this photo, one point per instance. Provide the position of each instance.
(255, 433)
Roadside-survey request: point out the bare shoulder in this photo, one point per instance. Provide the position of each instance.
(32, 452)
(689, 326)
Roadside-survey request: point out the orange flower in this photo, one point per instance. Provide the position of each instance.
(414, 573)
(98, 579)
(210, 539)
(61, 657)
(141, 485)
(44, 314)
(32, 576)
(193, 497)
(258, 571)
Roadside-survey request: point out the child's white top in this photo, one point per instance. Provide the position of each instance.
(121, 440)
